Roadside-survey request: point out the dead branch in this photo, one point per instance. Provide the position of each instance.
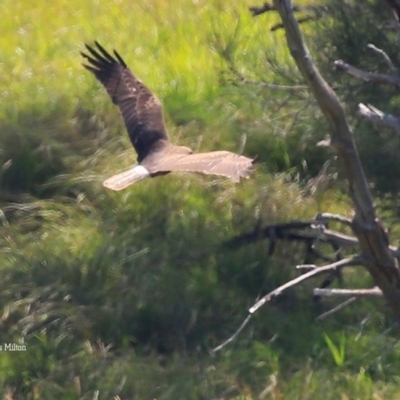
(307, 232)
(300, 20)
(273, 86)
(314, 272)
(243, 79)
(372, 237)
(336, 309)
(375, 115)
(395, 6)
(339, 239)
(327, 217)
(382, 53)
(293, 231)
(234, 336)
(306, 267)
(366, 76)
(257, 10)
(374, 292)
(314, 13)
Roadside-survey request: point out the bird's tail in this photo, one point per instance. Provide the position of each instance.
(126, 178)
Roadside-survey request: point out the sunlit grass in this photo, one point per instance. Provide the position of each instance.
(167, 46)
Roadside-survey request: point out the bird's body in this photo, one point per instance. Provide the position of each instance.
(144, 120)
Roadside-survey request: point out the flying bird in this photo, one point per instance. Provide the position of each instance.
(142, 113)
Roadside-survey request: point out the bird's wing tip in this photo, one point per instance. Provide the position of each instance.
(111, 186)
(126, 178)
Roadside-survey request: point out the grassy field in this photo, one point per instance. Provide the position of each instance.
(122, 295)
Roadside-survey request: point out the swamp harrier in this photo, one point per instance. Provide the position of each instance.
(143, 116)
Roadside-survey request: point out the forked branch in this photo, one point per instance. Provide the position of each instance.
(366, 76)
(308, 275)
(376, 255)
(372, 237)
(373, 114)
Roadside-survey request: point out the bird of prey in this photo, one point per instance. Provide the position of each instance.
(143, 116)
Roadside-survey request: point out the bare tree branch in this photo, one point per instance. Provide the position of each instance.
(309, 232)
(395, 6)
(314, 272)
(374, 292)
(234, 336)
(339, 238)
(300, 20)
(306, 267)
(336, 309)
(274, 86)
(372, 237)
(294, 231)
(314, 13)
(327, 217)
(384, 55)
(366, 76)
(257, 10)
(373, 114)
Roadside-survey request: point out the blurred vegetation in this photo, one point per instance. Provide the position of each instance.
(123, 295)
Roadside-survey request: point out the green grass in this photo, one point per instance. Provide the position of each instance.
(124, 294)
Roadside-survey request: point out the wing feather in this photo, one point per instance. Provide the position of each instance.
(140, 108)
(124, 179)
(223, 163)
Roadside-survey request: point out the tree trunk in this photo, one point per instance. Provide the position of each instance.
(374, 244)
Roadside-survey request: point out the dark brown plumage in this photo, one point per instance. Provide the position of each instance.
(144, 121)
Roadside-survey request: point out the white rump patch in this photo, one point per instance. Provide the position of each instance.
(126, 178)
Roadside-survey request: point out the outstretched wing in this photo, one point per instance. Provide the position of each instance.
(223, 163)
(140, 109)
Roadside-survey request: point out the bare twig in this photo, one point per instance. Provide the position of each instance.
(268, 85)
(373, 114)
(233, 337)
(257, 10)
(371, 77)
(327, 217)
(336, 309)
(318, 271)
(395, 6)
(299, 20)
(384, 55)
(243, 79)
(373, 292)
(339, 238)
(314, 13)
(306, 267)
